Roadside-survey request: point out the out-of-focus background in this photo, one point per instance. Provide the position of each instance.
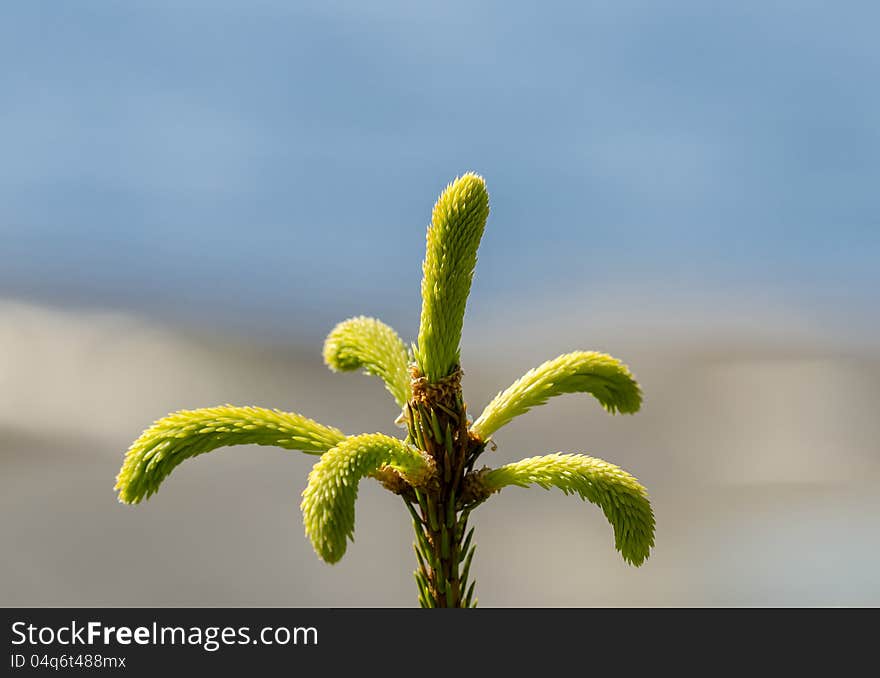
(193, 193)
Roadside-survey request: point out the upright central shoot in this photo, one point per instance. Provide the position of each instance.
(435, 413)
(432, 470)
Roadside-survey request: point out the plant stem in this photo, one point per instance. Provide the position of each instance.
(438, 424)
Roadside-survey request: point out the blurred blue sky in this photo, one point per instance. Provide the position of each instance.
(253, 164)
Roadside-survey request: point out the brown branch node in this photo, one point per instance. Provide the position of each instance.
(474, 490)
(444, 391)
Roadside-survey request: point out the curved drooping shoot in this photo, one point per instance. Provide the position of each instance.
(329, 499)
(600, 375)
(371, 345)
(432, 470)
(620, 496)
(457, 224)
(188, 433)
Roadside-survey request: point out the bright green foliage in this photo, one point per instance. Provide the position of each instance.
(188, 433)
(328, 500)
(454, 235)
(621, 497)
(370, 344)
(433, 469)
(604, 377)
